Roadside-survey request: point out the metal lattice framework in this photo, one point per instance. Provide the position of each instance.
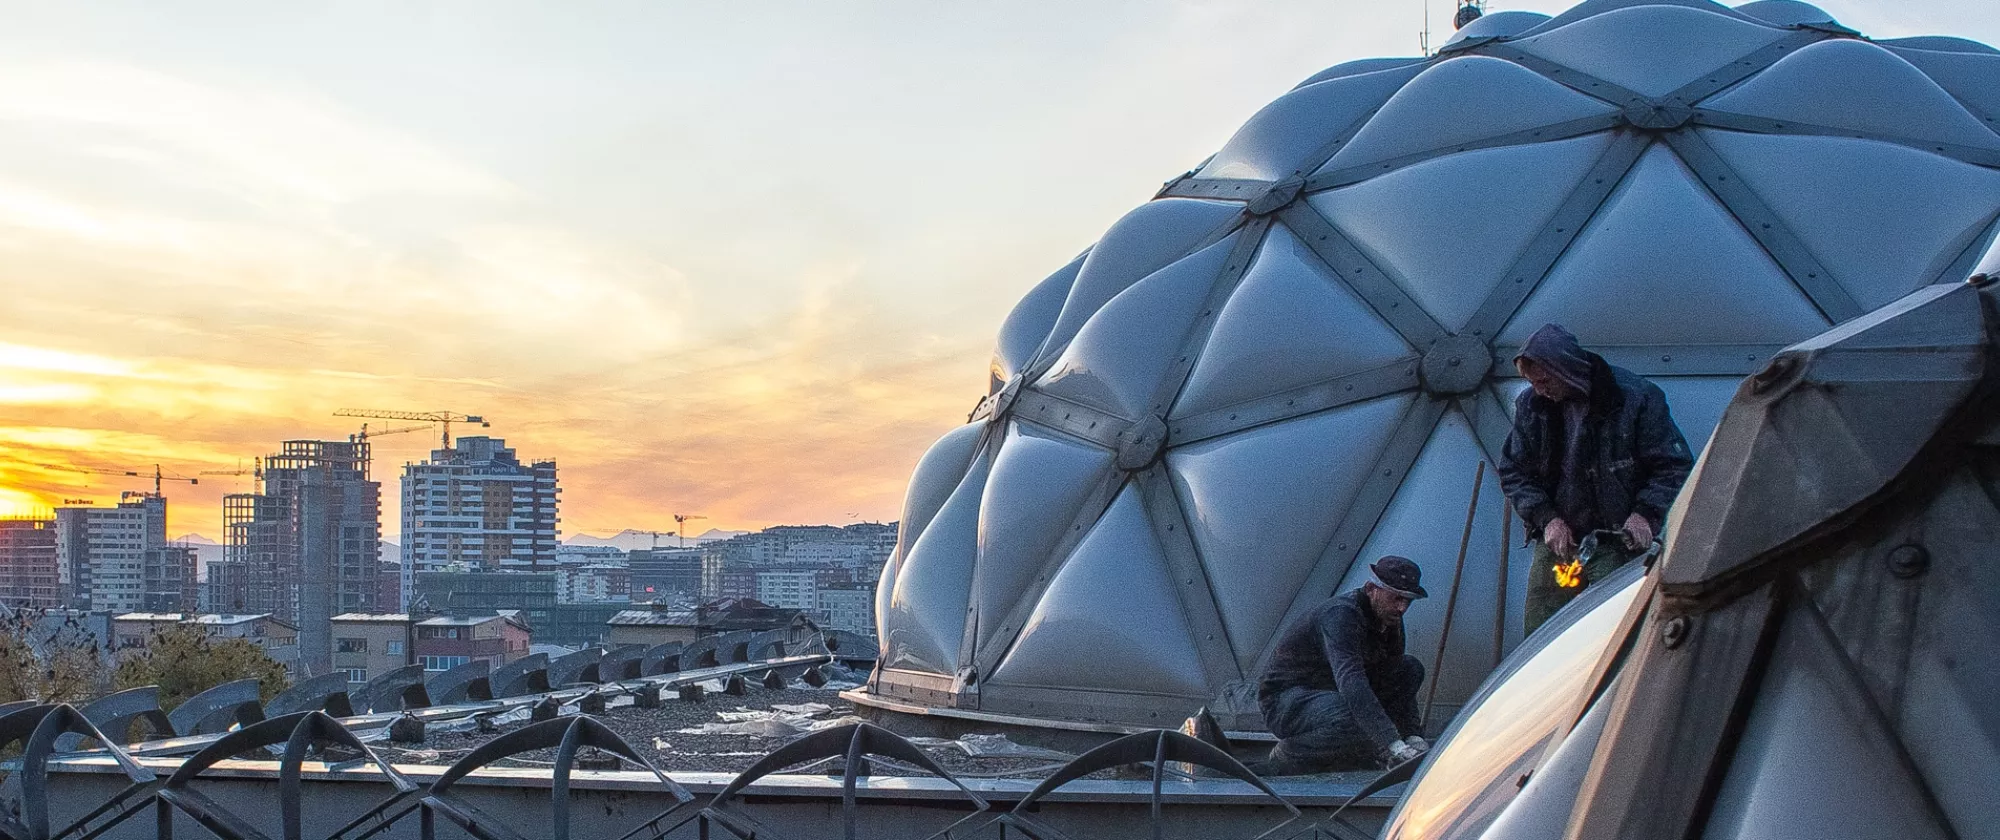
(1293, 356)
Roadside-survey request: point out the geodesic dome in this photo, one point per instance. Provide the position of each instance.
(1293, 358)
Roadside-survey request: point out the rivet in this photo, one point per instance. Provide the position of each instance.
(1676, 632)
(1909, 560)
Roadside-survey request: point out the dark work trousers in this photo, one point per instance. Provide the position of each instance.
(1545, 597)
(1316, 733)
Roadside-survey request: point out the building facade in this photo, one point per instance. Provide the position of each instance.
(29, 576)
(305, 548)
(849, 607)
(101, 551)
(368, 645)
(477, 504)
(278, 638)
(792, 589)
(446, 642)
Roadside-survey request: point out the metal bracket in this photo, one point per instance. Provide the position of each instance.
(1456, 364)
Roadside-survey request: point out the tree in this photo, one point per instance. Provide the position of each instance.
(49, 661)
(183, 660)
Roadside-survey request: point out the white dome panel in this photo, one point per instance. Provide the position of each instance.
(1358, 67)
(1906, 215)
(1117, 360)
(1654, 50)
(925, 620)
(1463, 100)
(1938, 43)
(1262, 504)
(1860, 87)
(1029, 324)
(936, 476)
(1110, 617)
(1289, 323)
(1664, 263)
(1697, 403)
(1786, 12)
(1593, 8)
(1144, 241)
(1447, 230)
(1972, 78)
(1504, 24)
(1424, 523)
(1039, 482)
(1279, 139)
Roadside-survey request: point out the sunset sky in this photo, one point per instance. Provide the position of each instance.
(738, 259)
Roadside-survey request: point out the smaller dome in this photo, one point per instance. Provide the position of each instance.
(1498, 25)
(1786, 12)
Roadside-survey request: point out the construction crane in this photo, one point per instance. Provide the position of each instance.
(256, 472)
(159, 477)
(363, 435)
(444, 418)
(682, 521)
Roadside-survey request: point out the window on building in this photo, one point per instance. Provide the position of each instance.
(357, 675)
(394, 647)
(444, 663)
(438, 633)
(350, 645)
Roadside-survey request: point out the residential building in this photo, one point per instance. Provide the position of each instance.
(101, 551)
(479, 505)
(169, 575)
(578, 625)
(368, 645)
(29, 576)
(849, 607)
(660, 624)
(388, 584)
(662, 574)
(306, 547)
(446, 642)
(593, 584)
(278, 638)
(792, 589)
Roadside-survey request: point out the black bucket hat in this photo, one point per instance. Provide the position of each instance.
(1399, 575)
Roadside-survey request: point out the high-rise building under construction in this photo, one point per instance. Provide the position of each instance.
(304, 549)
(478, 505)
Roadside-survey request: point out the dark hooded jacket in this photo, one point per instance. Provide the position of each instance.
(1621, 455)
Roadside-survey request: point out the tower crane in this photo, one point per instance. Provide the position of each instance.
(681, 521)
(363, 435)
(443, 418)
(157, 474)
(256, 473)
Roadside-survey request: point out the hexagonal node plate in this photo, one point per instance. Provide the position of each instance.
(1456, 365)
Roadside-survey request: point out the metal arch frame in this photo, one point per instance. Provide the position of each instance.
(326, 692)
(299, 732)
(115, 713)
(39, 729)
(854, 743)
(461, 684)
(1155, 748)
(527, 675)
(569, 736)
(208, 713)
(396, 690)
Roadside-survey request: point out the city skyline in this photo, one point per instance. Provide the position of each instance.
(743, 263)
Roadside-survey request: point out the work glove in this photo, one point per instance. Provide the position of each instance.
(1560, 538)
(1638, 532)
(1403, 750)
(1418, 742)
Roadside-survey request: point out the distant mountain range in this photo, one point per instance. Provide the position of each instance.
(630, 540)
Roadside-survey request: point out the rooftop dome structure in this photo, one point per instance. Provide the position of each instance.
(1294, 357)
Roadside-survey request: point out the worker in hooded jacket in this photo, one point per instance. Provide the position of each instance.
(1594, 460)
